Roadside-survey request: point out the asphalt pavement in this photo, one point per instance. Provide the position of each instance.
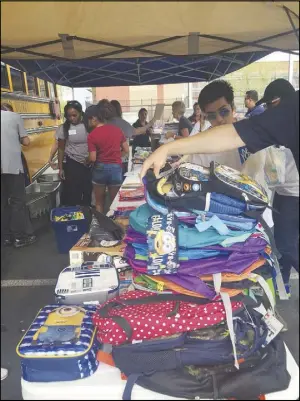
(28, 278)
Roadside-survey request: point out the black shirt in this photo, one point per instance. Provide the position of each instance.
(276, 126)
(142, 140)
(184, 123)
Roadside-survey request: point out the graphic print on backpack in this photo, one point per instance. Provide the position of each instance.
(62, 325)
(162, 244)
(240, 181)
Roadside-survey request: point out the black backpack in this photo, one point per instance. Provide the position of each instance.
(262, 373)
(206, 347)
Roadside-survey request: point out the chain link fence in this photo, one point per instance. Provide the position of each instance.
(131, 108)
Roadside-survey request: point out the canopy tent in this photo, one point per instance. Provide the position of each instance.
(132, 43)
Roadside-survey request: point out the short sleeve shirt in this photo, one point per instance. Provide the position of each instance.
(141, 140)
(106, 141)
(184, 123)
(76, 144)
(276, 126)
(12, 130)
(127, 129)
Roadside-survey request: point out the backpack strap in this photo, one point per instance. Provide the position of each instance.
(131, 380)
(276, 255)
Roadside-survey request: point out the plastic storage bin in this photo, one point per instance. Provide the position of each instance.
(67, 233)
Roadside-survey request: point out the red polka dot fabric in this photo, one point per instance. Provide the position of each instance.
(149, 321)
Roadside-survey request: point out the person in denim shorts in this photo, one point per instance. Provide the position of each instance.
(107, 144)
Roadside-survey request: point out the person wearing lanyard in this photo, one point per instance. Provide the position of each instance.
(185, 126)
(142, 140)
(276, 126)
(72, 157)
(106, 144)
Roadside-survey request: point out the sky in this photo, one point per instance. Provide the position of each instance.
(278, 56)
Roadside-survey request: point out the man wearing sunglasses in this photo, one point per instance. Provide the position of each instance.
(276, 126)
(216, 101)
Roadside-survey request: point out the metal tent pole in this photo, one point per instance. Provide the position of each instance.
(291, 68)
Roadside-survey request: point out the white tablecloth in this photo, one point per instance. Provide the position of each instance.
(106, 384)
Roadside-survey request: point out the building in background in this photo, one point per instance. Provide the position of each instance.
(254, 76)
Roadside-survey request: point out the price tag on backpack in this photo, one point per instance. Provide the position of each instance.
(274, 327)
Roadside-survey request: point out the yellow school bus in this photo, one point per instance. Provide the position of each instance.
(37, 102)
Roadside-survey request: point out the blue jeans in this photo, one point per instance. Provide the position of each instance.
(107, 174)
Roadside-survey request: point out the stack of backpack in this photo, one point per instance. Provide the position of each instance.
(219, 237)
(189, 329)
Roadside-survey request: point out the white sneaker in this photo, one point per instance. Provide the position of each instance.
(4, 373)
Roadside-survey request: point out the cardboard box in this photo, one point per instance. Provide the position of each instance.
(83, 252)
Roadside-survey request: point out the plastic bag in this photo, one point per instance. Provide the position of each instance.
(275, 166)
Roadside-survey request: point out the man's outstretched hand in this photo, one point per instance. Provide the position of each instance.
(156, 161)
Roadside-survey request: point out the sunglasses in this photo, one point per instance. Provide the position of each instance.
(224, 112)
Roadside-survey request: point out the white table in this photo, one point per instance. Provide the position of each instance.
(106, 384)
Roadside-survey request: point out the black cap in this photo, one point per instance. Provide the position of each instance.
(91, 111)
(280, 88)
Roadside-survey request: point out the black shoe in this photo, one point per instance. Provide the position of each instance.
(25, 241)
(8, 241)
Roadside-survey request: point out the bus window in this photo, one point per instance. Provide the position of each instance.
(17, 80)
(32, 87)
(4, 77)
(51, 91)
(43, 88)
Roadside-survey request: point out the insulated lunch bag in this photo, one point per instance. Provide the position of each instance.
(87, 282)
(60, 345)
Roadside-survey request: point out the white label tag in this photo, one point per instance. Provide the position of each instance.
(274, 327)
(91, 303)
(72, 132)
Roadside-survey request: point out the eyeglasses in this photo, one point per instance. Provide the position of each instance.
(223, 113)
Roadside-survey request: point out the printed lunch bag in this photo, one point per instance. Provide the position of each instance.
(60, 345)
